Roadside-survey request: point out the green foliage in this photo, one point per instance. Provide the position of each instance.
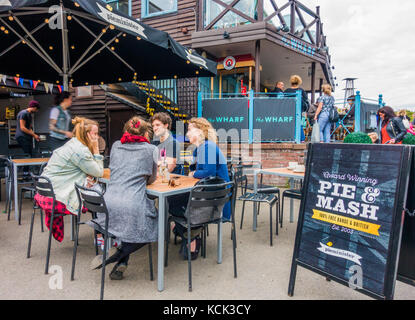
(409, 139)
(358, 137)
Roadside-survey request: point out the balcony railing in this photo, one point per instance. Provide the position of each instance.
(290, 16)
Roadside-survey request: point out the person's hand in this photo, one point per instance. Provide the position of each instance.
(392, 141)
(94, 143)
(191, 174)
(69, 134)
(90, 181)
(36, 137)
(315, 118)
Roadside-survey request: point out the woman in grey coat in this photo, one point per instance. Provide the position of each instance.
(132, 215)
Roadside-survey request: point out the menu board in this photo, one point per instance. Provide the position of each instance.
(351, 215)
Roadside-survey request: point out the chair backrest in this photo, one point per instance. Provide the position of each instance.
(91, 200)
(206, 202)
(43, 186)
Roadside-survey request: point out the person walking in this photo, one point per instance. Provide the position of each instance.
(24, 131)
(60, 121)
(325, 104)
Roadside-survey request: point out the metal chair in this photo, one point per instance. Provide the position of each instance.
(94, 202)
(32, 190)
(242, 180)
(295, 193)
(208, 196)
(44, 188)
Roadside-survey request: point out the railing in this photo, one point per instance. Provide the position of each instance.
(253, 118)
(287, 16)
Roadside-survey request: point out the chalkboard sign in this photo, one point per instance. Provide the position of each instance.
(275, 118)
(351, 215)
(406, 269)
(230, 115)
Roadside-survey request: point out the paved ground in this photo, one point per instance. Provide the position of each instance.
(263, 271)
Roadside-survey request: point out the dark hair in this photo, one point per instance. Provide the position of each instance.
(138, 127)
(388, 112)
(352, 98)
(163, 117)
(60, 97)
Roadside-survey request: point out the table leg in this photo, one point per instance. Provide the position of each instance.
(220, 242)
(161, 231)
(291, 202)
(16, 194)
(255, 208)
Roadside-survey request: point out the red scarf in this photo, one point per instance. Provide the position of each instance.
(129, 138)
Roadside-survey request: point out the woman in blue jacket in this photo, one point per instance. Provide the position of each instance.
(209, 162)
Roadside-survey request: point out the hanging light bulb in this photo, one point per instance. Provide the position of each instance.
(69, 18)
(77, 4)
(11, 18)
(2, 28)
(112, 27)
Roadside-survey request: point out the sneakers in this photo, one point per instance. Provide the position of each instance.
(193, 255)
(117, 272)
(114, 243)
(96, 263)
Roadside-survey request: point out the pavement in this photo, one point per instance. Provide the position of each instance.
(263, 271)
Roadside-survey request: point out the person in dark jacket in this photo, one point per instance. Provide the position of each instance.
(296, 82)
(392, 129)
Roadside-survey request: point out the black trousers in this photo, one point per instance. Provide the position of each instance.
(26, 144)
(123, 253)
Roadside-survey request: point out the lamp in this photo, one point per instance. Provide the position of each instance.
(226, 35)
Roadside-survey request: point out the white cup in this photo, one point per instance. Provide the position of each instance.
(292, 164)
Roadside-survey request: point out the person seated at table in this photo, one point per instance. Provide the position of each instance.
(133, 217)
(209, 162)
(168, 146)
(73, 163)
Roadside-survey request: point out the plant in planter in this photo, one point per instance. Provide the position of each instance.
(409, 139)
(358, 137)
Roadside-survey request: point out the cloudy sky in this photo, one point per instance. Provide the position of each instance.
(372, 40)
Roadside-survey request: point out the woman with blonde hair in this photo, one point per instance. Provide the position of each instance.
(296, 82)
(132, 215)
(72, 163)
(209, 161)
(325, 104)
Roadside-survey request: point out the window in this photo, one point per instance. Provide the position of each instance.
(157, 7)
(121, 5)
(230, 19)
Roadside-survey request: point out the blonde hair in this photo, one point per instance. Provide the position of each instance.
(143, 127)
(402, 113)
(296, 81)
(82, 126)
(206, 127)
(326, 88)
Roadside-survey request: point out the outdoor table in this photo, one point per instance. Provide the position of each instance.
(163, 191)
(282, 172)
(23, 163)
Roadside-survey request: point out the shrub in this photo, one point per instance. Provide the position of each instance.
(358, 137)
(409, 139)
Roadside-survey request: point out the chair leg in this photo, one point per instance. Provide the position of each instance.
(282, 210)
(29, 246)
(41, 219)
(96, 242)
(104, 258)
(9, 207)
(242, 216)
(189, 258)
(75, 247)
(150, 257)
(277, 212)
(20, 207)
(270, 224)
(235, 272)
(49, 242)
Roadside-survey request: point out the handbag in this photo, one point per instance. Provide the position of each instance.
(333, 115)
(201, 215)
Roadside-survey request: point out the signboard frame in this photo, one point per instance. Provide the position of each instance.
(391, 266)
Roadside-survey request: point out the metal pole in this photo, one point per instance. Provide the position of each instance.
(298, 117)
(358, 106)
(65, 48)
(251, 116)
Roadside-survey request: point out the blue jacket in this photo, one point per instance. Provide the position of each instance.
(210, 161)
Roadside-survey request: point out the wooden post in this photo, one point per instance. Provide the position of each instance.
(212, 89)
(321, 84)
(258, 66)
(313, 82)
(292, 31)
(318, 29)
(260, 10)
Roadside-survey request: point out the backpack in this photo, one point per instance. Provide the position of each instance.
(312, 109)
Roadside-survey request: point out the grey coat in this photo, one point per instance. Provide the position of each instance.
(132, 215)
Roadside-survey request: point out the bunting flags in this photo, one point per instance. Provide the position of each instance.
(34, 84)
(16, 79)
(49, 87)
(21, 82)
(60, 89)
(3, 78)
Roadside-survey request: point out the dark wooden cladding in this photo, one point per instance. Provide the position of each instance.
(173, 23)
